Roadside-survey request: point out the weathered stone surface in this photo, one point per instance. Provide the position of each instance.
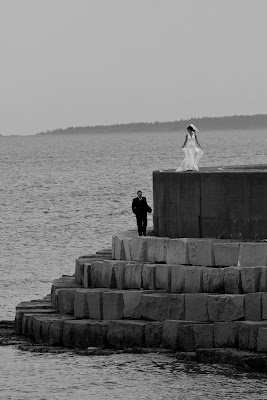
(81, 304)
(203, 336)
(56, 331)
(235, 307)
(263, 280)
(127, 248)
(149, 276)
(156, 249)
(88, 258)
(27, 310)
(193, 280)
(213, 280)
(119, 269)
(61, 283)
(79, 272)
(96, 334)
(31, 305)
(114, 274)
(96, 274)
(200, 252)
(250, 277)
(123, 334)
(138, 248)
(253, 307)
(196, 307)
(225, 334)
(170, 333)
(108, 275)
(177, 307)
(176, 251)
(27, 325)
(74, 333)
(133, 275)
(107, 251)
(38, 327)
(26, 320)
(216, 305)
(226, 254)
(155, 307)
(118, 251)
(228, 307)
(66, 300)
(45, 326)
(163, 277)
(112, 305)
(232, 280)
(186, 338)
(264, 305)
(248, 334)
(178, 278)
(87, 275)
(154, 334)
(132, 304)
(84, 333)
(262, 340)
(95, 303)
(253, 254)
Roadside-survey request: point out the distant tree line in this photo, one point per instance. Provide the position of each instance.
(258, 121)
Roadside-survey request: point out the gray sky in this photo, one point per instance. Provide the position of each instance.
(86, 62)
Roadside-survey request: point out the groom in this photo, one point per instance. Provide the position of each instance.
(140, 209)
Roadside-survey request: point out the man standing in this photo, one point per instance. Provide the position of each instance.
(140, 209)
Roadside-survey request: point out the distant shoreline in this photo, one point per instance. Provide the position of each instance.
(236, 122)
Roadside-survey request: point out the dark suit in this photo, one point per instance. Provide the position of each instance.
(140, 209)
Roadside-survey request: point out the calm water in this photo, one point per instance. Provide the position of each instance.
(64, 196)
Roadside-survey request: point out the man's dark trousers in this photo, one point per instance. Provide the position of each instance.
(141, 224)
(141, 208)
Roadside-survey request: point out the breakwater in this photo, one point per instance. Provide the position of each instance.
(204, 299)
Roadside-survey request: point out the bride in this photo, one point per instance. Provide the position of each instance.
(192, 153)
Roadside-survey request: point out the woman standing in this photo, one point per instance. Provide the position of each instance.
(192, 153)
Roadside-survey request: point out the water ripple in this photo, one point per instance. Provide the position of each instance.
(64, 196)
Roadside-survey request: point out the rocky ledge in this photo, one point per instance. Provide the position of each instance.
(247, 360)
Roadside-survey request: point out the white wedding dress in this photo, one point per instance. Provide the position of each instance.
(192, 155)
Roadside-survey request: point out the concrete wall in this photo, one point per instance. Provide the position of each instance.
(213, 202)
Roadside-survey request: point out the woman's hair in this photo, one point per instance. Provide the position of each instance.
(191, 128)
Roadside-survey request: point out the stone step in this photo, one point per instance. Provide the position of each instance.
(180, 335)
(82, 261)
(34, 304)
(30, 308)
(104, 251)
(189, 336)
(47, 329)
(21, 322)
(63, 282)
(194, 251)
(119, 274)
(109, 304)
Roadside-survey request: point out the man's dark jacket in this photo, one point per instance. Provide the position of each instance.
(140, 207)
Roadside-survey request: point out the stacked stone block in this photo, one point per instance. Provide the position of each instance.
(182, 294)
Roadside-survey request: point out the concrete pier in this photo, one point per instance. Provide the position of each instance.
(184, 307)
(198, 288)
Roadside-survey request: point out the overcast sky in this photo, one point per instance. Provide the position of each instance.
(86, 62)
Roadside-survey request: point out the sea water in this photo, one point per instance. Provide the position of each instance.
(63, 196)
